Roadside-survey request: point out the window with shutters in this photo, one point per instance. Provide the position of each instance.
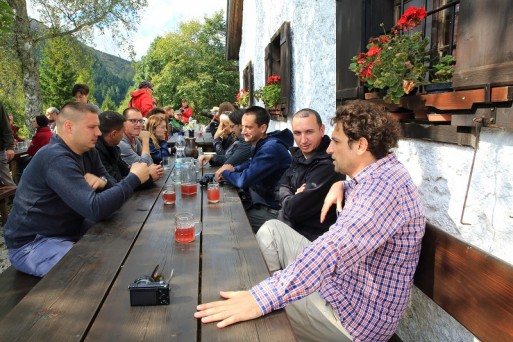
(278, 62)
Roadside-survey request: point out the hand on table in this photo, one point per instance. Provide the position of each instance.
(334, 196)
(94, 181)
(141, 170)
(239, 306)
(219, 172)
(156, 171)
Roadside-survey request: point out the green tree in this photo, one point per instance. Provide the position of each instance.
(59, 72)
(191, 64)
(65, 18)
(108, 104)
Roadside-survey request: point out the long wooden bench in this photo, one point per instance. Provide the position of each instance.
(469, 284)
(14, 285)
(6, 191)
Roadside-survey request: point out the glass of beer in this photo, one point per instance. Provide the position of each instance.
(184, 227)
(213, 194)
(169, 194)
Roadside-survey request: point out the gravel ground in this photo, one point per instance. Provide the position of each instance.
(4, 259)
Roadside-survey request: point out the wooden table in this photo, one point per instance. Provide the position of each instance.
(15, 163)
(85, 296)
(204, 141)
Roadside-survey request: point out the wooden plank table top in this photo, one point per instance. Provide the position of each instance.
(86, 296)
(62, 305)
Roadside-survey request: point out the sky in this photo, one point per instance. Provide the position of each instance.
(159, 18)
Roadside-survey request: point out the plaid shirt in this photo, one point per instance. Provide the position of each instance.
(364, 265)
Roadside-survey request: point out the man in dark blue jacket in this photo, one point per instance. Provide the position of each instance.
(64, 184)
(260, 175)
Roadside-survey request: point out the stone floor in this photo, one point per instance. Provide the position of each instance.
(4, 259)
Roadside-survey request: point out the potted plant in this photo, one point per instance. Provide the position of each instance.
(242, 98)
(441, 75)
(396, 62)
(270, 94)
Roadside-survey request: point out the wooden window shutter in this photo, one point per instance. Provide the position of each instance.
(285, 67)
(278, 62)
(247, 81)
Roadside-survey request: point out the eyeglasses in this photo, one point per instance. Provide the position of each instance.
(134, 121)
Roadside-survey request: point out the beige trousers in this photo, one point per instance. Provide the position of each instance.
(312, 318)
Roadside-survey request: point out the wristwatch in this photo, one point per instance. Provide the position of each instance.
(104, 179)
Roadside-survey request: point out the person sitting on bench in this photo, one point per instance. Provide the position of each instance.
(63, 185)
(354, 281)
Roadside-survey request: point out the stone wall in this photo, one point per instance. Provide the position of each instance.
(312, 26)
(441, 171)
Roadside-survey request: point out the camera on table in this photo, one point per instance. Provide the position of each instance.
(146, 291)
(206, 178)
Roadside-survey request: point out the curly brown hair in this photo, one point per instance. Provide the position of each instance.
(364, 119)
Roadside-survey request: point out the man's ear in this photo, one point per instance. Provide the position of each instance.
(67, 126)
(363, 145)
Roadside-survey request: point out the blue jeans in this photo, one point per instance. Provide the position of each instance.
(39, 256)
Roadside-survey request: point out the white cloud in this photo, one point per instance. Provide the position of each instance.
(162, 17)
(158, 19)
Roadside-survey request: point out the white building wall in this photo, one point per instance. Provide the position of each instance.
(312, 26)
(441, 171)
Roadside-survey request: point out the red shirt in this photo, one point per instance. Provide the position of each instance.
(186, 114)
(141, 100)
(40, 139)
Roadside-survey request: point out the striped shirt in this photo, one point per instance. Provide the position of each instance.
(364, 265)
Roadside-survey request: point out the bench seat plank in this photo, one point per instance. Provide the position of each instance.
(470, 284)
(231, 260)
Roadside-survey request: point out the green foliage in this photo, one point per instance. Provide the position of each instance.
(11, 88)
(112, 77)
(108, 104)
(443, 70)
(191, 64)
(58, 71)
(6, 17)
(270, 93)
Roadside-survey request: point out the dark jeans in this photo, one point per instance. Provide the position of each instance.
(258, 214)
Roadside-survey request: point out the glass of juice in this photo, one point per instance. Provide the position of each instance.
(184, 227)
(189, 188)
(169, 194)
(213, 194)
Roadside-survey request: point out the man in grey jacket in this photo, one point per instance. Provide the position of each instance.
(135, 144)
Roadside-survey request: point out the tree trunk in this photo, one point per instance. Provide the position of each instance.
(25, 48)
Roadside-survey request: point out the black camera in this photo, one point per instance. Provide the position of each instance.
(206, 178)
(145, 291)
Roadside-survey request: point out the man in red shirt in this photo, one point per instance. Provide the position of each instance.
(142, 98)
(186, 111)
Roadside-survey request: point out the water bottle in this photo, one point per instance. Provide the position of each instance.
(179, 158)
(180, 146)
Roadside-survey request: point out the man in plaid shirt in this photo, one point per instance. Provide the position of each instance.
(353, 282)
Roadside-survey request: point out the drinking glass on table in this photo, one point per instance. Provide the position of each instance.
(213, 194)
(184, 228)
(169, 194)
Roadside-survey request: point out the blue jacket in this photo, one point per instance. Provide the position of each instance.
(260, 175)
(53, 198)
(158, 153)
